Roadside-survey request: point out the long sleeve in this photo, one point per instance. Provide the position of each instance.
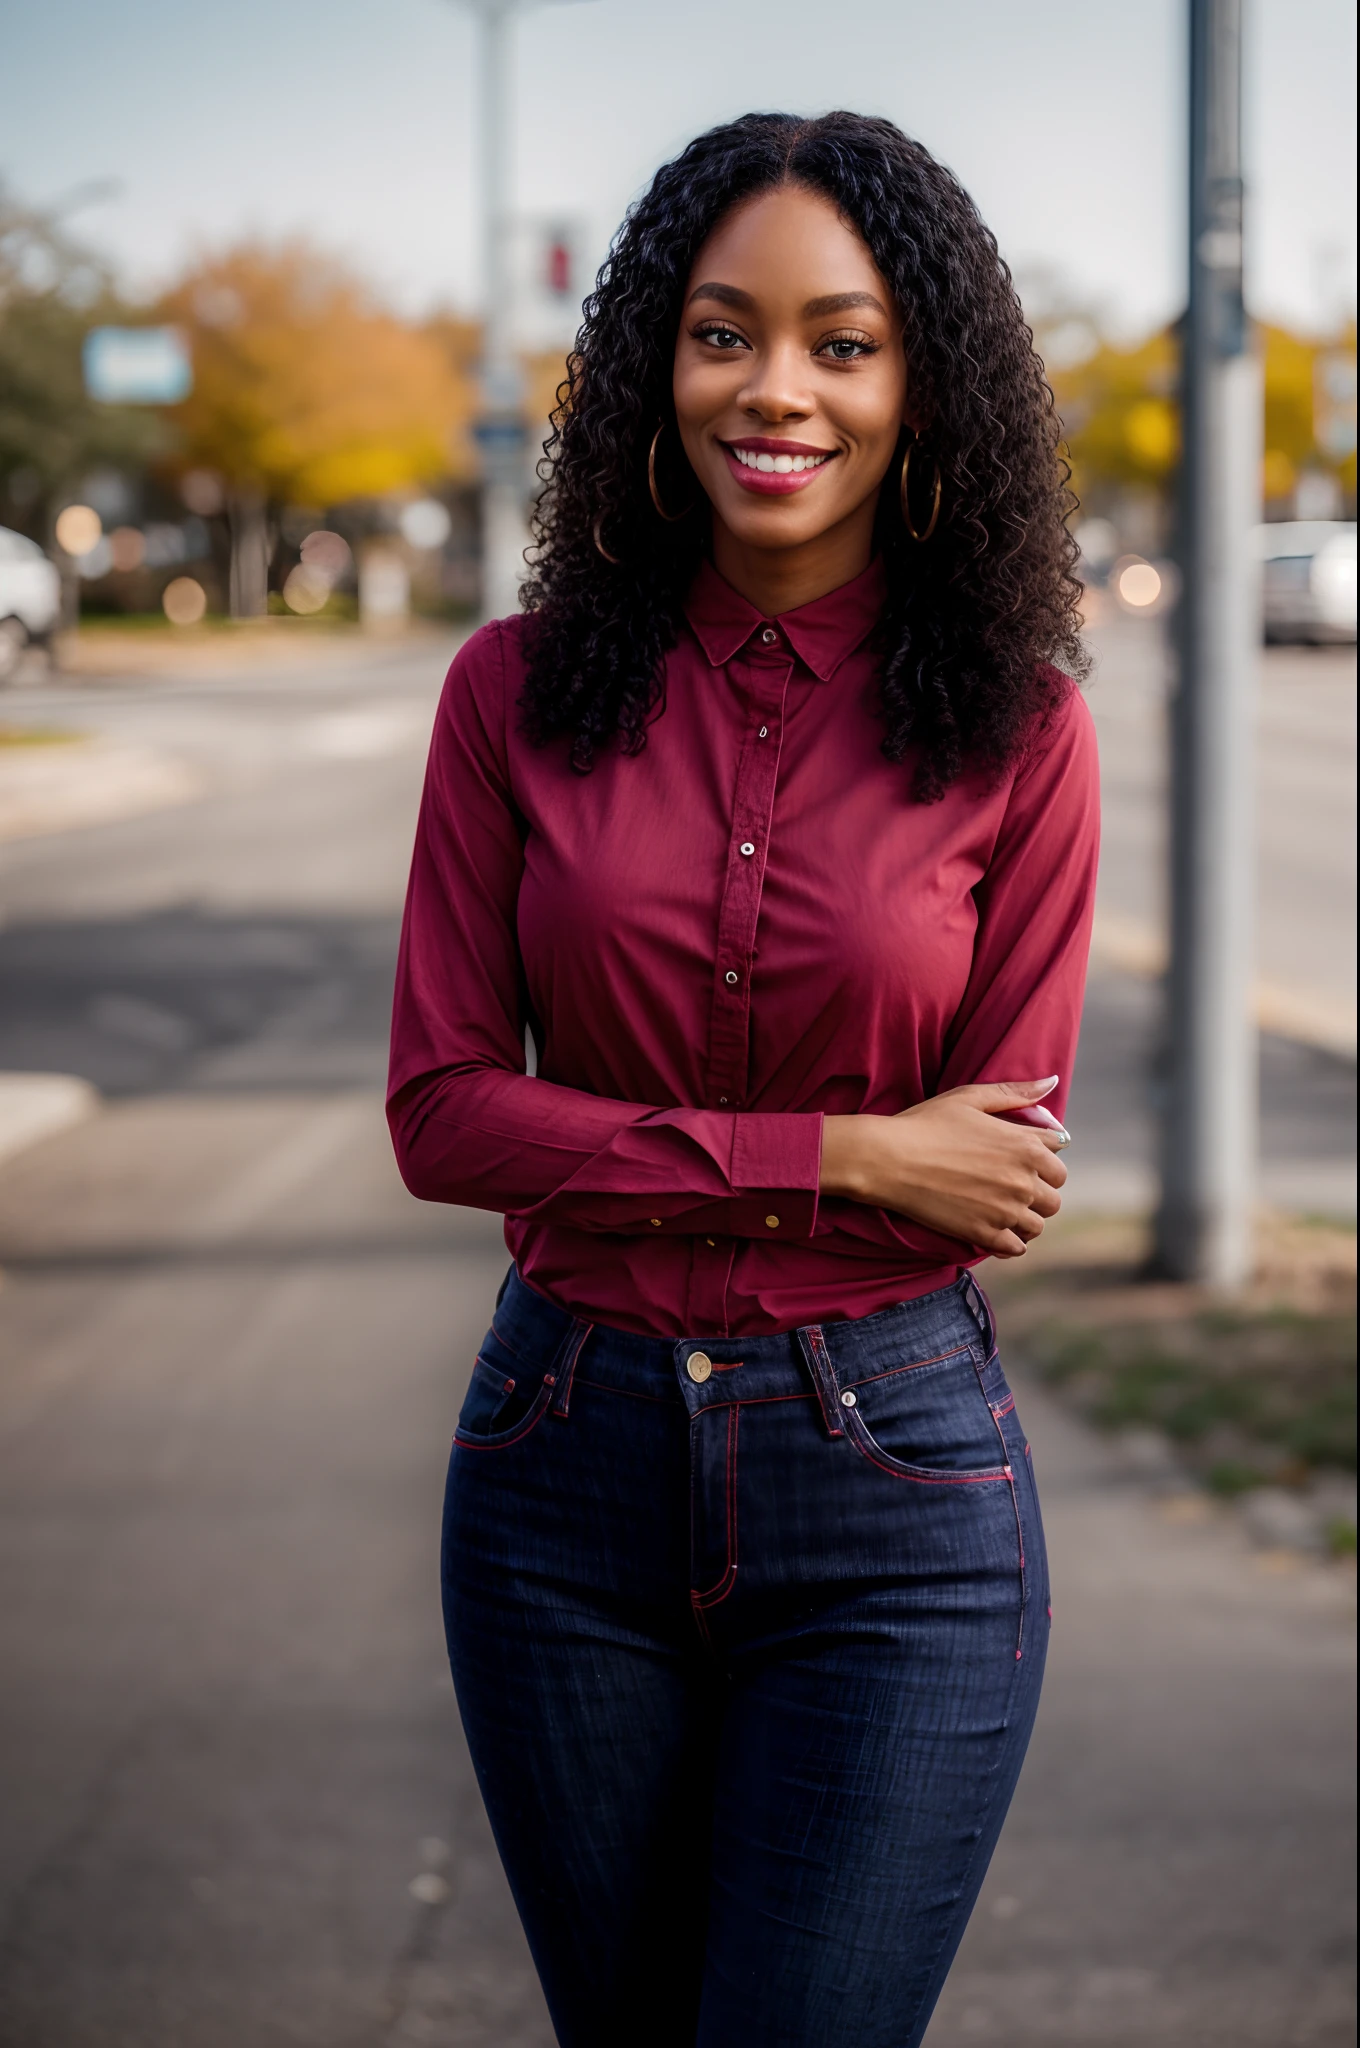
(1020, 1015)
(1021, 1012)
(468, 1123)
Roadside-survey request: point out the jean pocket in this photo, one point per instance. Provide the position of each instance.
(504, 1400)
(932, 1422)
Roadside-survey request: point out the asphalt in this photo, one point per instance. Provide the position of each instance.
(232, 1353)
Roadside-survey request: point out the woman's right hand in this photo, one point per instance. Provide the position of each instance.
(954, 1165)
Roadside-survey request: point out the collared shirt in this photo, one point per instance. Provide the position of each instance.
(713, 943)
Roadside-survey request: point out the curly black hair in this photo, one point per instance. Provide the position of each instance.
(975, 615)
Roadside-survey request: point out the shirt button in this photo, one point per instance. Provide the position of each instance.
(730, 978)
(698, 1365)
(712, 1242)
(656, 1223)
(848, 1399)
(769, 636)
(764, 733)
(722, 1098)
(747, 848)
(772, 1223)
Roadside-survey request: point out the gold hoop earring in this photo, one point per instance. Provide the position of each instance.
(936, 490)
(671, 518)
(600, 547)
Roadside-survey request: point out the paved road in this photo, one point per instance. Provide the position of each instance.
(232, 1353)
(1305, 814)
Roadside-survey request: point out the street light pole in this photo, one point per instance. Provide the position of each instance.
(501, 428)
(1209, 1133)
(501, 431)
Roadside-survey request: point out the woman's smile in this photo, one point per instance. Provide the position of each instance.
(776, 467)
(789, 366)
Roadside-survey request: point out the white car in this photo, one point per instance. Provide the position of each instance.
(30, 597)
(1308, 579)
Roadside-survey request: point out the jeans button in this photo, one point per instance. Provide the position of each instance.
(698, 1365)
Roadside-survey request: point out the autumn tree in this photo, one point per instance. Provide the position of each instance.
(307, 392)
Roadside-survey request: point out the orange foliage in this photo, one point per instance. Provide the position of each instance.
(305, 388)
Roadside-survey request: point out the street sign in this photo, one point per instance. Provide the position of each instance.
(494, 434)
(137, 365)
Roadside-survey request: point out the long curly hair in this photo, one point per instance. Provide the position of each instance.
(975, 616)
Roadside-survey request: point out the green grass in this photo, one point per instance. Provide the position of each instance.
(1247, 1396)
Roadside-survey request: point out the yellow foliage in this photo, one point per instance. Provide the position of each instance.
(1292, 376)
(1119, 412)
(1278, 474)
(1122, 419)
(1152, 431)
(305, 388)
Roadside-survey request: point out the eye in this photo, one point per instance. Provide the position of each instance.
(717, 336)
(847, 348)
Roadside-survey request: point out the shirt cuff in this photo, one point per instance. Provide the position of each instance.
(777, 1155)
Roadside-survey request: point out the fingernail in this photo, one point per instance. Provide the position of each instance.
(1045, 1087)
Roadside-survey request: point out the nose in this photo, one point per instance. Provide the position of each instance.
(777, 387)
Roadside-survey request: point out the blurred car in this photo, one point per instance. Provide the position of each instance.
(30, 597)
(1308, 579)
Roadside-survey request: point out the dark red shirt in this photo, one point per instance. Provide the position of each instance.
(713, 943)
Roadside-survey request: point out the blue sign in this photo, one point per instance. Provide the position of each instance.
(494, 433)
(137, 365)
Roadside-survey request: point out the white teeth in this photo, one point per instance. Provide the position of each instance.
(778, 465)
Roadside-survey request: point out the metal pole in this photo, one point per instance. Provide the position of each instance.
(1209, 1134)
(501, 429)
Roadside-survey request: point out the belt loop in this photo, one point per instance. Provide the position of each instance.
(813, 1344)
(564, 1365)
(978, 1306)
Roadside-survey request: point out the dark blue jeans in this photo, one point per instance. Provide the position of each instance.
(748, 1636)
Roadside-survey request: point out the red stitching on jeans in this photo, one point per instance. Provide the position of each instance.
(561, 1405)
(531, 1422)
(996, 1415)
(914, 1365)
(988, 1478)
(824, 1380)
(725, 1584)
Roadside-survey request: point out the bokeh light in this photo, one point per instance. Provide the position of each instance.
(79, 530)
(184, 601)
(425, 523)
(326, 553)
(201, 490)
(306, 588)
(1139, 585)
(127, 548)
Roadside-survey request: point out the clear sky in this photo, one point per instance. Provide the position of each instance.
(353, 121)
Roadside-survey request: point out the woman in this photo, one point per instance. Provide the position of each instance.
(773, 825)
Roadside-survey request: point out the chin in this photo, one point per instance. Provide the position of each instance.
(772, 524)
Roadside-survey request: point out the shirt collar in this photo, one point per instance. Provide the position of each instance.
(821, 634)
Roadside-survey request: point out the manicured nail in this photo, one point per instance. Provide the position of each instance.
(1046, 1087)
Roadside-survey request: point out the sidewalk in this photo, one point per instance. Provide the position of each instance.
(238, 1804)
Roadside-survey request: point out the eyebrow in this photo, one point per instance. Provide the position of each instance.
(815, 309)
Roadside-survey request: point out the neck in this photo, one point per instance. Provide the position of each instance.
(778, 580)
